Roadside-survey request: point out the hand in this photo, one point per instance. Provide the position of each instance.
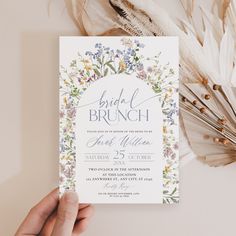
(56, 218)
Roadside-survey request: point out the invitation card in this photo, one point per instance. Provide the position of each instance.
(119, 119)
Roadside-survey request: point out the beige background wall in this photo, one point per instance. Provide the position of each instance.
(29, 139)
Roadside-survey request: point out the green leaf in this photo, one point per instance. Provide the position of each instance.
(73, 63)
(173, 191)
(97, 72)
(95, 65)
(99, 60)
(106, 72)
(109, 62)
(74, 92)
(174, 200)
(111, 67)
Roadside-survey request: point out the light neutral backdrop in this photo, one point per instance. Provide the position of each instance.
(29, 33)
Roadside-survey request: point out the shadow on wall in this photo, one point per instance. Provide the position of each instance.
(39, 129)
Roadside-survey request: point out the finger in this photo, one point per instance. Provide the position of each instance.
(81, 206)
(48, 226)
(86, 212)
(37, 216)
(83, 219)
(66, 214)
(80, 227)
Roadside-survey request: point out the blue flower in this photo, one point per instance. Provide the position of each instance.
(88, 53)
(119, 52)
(130, 51)
(106, 48)
(97, 54)
(138, 44)
(98, 45)
(141, 45)
(127, 58)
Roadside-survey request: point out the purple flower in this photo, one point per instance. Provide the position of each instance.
(68, 172)
(71, 113)
(149, 69)
(140, 66)
(61, 114)
(168, 152)
(176, 146)
(68, 106)
(173, 156)
(61, 179)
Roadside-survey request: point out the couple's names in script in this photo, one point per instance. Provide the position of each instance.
(124, 141)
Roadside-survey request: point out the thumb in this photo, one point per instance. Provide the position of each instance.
(66, 214)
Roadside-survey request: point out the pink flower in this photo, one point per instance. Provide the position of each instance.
(142, 75)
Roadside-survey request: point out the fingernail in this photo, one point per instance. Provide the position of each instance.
(70, 196)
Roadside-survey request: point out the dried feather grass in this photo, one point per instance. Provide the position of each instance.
(208, 58)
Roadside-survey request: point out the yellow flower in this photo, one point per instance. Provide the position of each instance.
(65, 100)
(164, 129)
(167, 169)
(67, 158)
(122, 65)
(82, 81)
(166, 95)
(87, 67)
(86, 61)
(66, 82)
